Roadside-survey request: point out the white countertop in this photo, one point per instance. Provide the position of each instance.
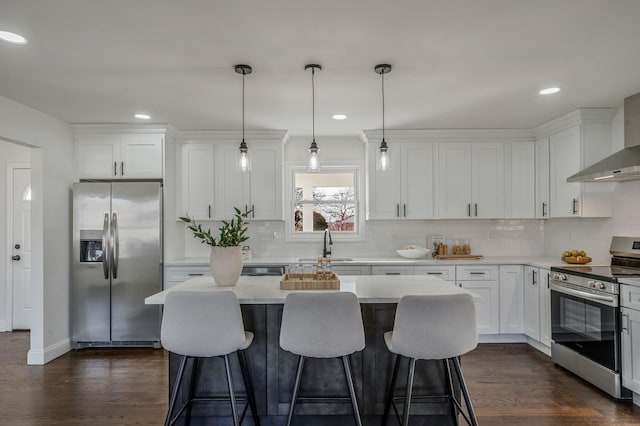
(369, 289)
(539, 262)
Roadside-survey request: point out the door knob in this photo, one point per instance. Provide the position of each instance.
(16, 257)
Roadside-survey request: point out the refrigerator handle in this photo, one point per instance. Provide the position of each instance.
(105, 246)
(115, 246)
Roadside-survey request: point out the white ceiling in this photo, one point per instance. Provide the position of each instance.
(456, 63)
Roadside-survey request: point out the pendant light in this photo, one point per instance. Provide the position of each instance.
(314, 162)
(383, 162)
(243, 162)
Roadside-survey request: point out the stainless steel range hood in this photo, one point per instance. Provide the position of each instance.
(624, 164)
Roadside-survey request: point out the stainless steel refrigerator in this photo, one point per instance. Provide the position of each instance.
(117, 263)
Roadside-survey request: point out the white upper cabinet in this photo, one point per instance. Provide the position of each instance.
(118, 155)
(522, 180)
(197, 186)
(212, 184)
(471, 180)
(259, 189)
(406, 190)
(542, 178)
(576, 141)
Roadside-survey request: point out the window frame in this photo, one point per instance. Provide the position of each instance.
(359, 191)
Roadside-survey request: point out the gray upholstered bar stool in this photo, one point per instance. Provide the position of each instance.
(203, 325)
(439, 327)
(322, 325)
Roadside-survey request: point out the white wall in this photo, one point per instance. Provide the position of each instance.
(51, 179)
(9, 153)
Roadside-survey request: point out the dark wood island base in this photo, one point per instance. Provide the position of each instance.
(273, 372)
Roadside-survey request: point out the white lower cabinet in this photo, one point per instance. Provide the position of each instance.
(630, 310)
(176, 274)
(447, 273)
(484, 283)
(537, 304)
(346, 270)
(392, 270)
(511, 299)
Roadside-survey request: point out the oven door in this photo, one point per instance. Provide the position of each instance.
(587, 323)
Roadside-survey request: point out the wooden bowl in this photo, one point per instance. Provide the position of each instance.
(574, 260)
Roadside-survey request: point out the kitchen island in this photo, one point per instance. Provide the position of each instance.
(273, 370)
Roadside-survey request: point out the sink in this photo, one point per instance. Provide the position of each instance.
(333, 259)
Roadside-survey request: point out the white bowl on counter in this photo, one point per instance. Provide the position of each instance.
(413, 252)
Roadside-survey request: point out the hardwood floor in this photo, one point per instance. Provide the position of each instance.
(509, 384)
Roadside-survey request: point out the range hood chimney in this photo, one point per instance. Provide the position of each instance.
(624, 164)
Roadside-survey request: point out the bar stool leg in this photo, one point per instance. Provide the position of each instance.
(232, 393)
(452, 400)
(465, 391)
(176, 387)
(296, 386)
(392, 386)
(407, 400)
(352, 391)
(195, 362)
(244, 368)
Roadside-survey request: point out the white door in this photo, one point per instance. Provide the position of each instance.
(417, 181)
(455, 180)
(266, 181)
(197, 181)
(542, 178)
(564, 158)
(141, 157)
(21, 249)
(487, 180)
(531, 302)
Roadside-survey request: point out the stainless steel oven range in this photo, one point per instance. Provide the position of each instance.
(585, 316)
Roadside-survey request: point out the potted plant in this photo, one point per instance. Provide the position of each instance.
(226, 249)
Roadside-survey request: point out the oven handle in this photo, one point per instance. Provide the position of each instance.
(608, 300)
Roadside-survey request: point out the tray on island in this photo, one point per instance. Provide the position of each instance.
(460, 256)
(308, 282)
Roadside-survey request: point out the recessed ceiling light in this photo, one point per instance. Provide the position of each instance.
(549, 91)
(339, 117)
(12, 37)
(140, 116)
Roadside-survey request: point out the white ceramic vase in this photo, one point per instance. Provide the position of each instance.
(226, 265)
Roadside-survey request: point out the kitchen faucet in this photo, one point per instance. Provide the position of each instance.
(327, 252)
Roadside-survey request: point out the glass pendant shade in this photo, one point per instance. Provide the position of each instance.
(243, 159)
(314, 162)
(383, 161)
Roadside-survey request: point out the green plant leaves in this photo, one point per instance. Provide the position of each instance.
(232, 233)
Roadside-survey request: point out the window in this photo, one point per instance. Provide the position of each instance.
(325, 200)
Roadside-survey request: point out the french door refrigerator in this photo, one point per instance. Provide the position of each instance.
(117, 263)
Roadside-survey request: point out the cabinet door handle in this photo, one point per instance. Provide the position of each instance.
(404, 206)
(476, 273)
(122, 168)
(469, 209)
(115, 168)
(398, 210)
(544, 207)
(434, 273)
(195, 275)
(392, 273)
(209, 207)
(575, 206)
(534, 280)
(253, 211)
(625, 323)
(476, 208)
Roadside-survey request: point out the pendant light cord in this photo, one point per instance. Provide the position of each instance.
(382, 75)
(313, 105)
(243, 74)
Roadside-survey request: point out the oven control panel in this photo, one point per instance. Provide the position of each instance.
(587, 283)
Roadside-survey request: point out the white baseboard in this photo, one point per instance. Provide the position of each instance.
(502, 338)
(3, 325)
(40, 357)
(539, 346)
